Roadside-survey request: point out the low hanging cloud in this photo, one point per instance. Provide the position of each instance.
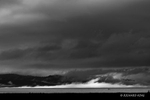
(91, 84)
(125, 76)
(117, 50)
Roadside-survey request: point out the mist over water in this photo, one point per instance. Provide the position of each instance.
(91, 84)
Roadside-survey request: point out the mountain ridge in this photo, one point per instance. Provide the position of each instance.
(17, 80)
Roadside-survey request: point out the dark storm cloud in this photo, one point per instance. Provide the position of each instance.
(122, 49)
(8, 2)
(43, 52)
(75, 33)
(119, 49)
(12, 54)
(84, 49)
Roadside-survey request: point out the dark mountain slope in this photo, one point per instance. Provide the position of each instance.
(14, 80)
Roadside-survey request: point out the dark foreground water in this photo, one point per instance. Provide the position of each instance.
(74, 90)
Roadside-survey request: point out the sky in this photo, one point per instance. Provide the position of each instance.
(53, 36)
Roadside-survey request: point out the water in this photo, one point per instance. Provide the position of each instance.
(74, 90)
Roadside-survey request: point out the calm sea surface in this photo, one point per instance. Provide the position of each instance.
(73, 90)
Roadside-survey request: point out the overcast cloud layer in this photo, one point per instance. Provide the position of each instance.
(66, 34)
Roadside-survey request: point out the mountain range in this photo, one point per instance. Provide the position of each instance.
(16, 80)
